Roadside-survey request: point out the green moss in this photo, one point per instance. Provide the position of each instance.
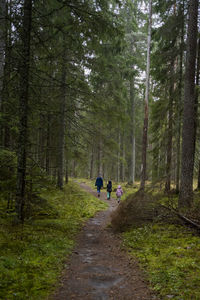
(170, 255)
(33, 256)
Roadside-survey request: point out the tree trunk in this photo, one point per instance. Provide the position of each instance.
(5, 79)
(91, 163)
(61, 143)
(198, 182)
(132, 102)
(188, 134)
(48, 145)
(196, 100)
(41, 140)
(99, 158)
(122, 169)
(155, 164)
(179, 105)
(66, 172)
(169, 138)
(23, 110)
(118, 156)
(2, 43)
(146, 108)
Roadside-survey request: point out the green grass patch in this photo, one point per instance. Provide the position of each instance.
(170, 255)
(33, 255)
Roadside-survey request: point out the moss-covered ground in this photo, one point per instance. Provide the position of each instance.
(32, 256)
(169, 253)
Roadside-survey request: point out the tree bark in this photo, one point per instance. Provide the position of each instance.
(146, 108)
(169, 138)
(66, 172)
(123, 158)
(188, 134)
(99, 157)
(179, 106)
(132, 102)
(61, 144)
(2, 43)
(118, 156)
(91, 163)
(5, 79)
(23, 110)
(48, 145)
(196, 101)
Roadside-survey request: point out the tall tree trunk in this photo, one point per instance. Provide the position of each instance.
(2, 43)
(179, 106)
(91, 162)
(66, 172)
(122, 168)
(155, 164)
(196, 90)
(146, 108)
(23, 110)
(196, 100)
(132, 102)
(188, 134)
(41, 140)
(169, 138)
(5, 79)
(118, 156)
(99, 158)
(48, 145)
(61, 143)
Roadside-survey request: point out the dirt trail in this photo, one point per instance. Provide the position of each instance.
(98, 268)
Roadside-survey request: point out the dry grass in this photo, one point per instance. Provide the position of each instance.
(137, 210)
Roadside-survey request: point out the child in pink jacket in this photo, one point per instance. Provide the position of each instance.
(119, 193)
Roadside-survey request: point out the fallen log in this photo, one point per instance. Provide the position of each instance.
(184, 218)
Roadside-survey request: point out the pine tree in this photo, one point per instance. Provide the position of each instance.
(23, 113)
(188, 134)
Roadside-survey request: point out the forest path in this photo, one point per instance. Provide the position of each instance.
(98, 269)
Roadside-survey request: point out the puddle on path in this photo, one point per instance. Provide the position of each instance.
(100, 296)
(87, 256)
(96, 269)
(89, 234)
(104, 282)
(95, 222)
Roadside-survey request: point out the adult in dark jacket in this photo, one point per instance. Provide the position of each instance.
(109, 189)
(99, 184)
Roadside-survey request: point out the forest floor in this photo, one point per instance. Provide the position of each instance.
(99, 269)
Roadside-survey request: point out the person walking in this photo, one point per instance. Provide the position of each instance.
(109, 189)
(99, 184)
(119, 193)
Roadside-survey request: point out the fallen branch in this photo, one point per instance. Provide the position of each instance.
(191, 222)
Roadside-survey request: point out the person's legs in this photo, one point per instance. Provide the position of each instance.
(98, 191)
(108, 195)
(118, 199)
